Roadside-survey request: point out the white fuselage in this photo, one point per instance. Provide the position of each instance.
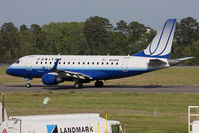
(97, 67)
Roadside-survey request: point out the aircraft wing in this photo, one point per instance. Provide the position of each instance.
(69, 75)
(72, 75)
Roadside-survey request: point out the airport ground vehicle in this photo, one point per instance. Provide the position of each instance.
(62, 123)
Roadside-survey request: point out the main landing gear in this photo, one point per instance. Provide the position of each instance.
(99, 83)
(78, 85)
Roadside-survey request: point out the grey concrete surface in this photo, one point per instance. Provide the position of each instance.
(106, 88)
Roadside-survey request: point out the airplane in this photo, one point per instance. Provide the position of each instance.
(55, 69)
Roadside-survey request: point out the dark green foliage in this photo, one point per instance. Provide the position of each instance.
(186, 40)
(96, 36)
(9, 42)
(66, 38)
(23, 27)
(96, 31)
(122, 27)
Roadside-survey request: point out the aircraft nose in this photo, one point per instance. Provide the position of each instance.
(9, 71)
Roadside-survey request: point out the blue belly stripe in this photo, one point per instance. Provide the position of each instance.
(96, 74)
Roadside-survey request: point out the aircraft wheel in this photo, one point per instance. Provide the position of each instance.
(99, 84)
(28, 85)
(78, 85)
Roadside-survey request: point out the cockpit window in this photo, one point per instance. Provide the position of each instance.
(115, 128)
(17, 62)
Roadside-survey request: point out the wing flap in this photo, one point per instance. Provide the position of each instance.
(72, 75)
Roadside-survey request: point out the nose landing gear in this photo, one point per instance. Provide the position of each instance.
(28, 85)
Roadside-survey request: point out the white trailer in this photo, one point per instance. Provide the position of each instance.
(63, 123)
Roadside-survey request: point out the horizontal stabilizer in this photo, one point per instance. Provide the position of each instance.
(185, 58)
(173, 62)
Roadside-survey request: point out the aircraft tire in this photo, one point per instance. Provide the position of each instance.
(28, 85)
(99, 84)
(78, 85)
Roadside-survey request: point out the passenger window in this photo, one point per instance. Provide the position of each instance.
(59, 62)
(50, 62)
(93, 63)
(73, 62)
(97, 63)
(117, 63)
(41, 62)
(88, 63)
(107, 63)
(36, 62)
(111, 63)
(83, 63)
(102, 63)
(68, 63)
(64, 62)
(78, 62)
(45, 62)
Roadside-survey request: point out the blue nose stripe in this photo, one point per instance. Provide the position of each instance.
(10, 71)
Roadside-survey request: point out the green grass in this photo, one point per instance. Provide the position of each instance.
(169, 76)
(135, 110)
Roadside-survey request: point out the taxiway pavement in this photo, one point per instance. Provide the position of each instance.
(106, 88)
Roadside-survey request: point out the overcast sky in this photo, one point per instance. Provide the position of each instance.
(152, 13)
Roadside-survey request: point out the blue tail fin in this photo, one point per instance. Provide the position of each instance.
(160, 47)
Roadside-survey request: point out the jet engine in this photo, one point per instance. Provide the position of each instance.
(51, 79)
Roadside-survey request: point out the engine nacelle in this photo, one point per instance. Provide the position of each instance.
(51, 79)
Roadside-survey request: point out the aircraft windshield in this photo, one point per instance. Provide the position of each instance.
(115, 128)
(17, 62)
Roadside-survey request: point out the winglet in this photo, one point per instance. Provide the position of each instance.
(56, 64)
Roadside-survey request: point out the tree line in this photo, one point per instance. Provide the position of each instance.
(95, 36)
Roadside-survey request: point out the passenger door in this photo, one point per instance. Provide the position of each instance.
(29, 63)
(125, 61)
